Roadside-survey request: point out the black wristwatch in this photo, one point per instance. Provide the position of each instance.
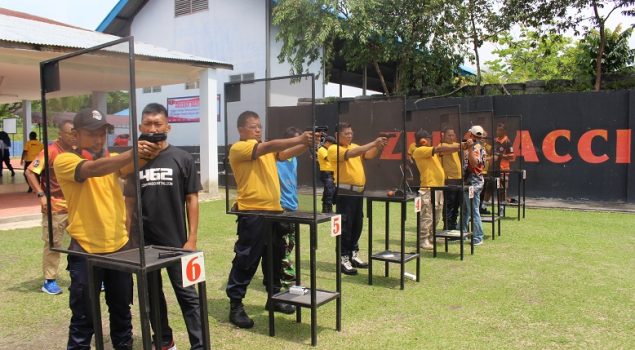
(40, 194)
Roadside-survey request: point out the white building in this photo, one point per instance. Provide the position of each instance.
(228, 30)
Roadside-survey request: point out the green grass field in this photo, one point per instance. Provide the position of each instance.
(558, 279)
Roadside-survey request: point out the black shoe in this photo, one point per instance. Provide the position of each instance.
(281, 307)
(484, 211)
(29, 190)
(327, 209)
(347, 267)
(12, 173)
(238, 316)
(357, 262)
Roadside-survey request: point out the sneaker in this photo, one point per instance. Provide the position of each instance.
(357, 262)
(51, 287)
(427, 245)
(169, 346)
(484, 211)
(347, 267)
(281, 307)
(478, 242)
(238, 317)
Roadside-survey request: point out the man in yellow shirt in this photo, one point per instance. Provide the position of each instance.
(32, 148)
(426, 157)
(347, 160)
(254, 165)
(326, 175)
(96, 217)
(451, 164)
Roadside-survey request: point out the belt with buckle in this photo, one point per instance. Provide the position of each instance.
(350, 187)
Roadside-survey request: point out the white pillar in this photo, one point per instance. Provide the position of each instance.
(209, 131)
(26, 118)
(99, 101)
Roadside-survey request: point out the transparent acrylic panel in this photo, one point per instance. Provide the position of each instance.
(508, 126)
(382, 174)
(443, 125)
(285, 107)
(102, 221)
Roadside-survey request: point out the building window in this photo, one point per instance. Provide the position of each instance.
(147, 90)
(192, 85)
(241, 77)
(186, 7)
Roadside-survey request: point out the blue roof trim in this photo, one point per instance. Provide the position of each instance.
(465, 70)
(111, 16)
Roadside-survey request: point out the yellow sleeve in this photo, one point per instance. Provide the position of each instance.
(65, 165)
(422, 152)
(37, 166)
(411, 149)
(332, 153)
(323, 153)
(242, 150)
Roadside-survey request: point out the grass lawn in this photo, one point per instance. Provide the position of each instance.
(558, 279)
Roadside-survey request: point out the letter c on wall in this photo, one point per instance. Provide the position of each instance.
(549, 146)
(585, 143)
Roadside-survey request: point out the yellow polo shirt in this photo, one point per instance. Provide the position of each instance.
(257, 179)
(451, 163)
(350, 171)
(322, 155)
(429, 167)
(32, 149)
(96, 210)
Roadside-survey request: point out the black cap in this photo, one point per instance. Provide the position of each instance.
(330, 139)
(90, 119)
(422, 134)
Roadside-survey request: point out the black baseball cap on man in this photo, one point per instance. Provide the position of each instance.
(422, 134)
(90, 119)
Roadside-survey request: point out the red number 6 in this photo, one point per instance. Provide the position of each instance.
(193, 269)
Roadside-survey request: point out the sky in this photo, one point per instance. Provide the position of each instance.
(90, 13)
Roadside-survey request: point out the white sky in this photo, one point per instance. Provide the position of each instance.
(90, 13)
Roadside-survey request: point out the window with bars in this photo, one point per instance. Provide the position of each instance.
(186, 7)
(241, 77)
(192, 85)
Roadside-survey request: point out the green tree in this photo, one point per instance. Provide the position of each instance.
(570, 14)
(617, 54)
(418, 37)
(534, 56)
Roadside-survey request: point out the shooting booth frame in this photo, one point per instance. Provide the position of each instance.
(145, 263)
(517, 174)
(314, 297)
(446, 233)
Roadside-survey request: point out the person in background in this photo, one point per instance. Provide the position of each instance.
(5, 154)
(34, 175)
(32, 148)
(451, 164)
(256, 175)
(473, 165)
(170, 219)
(347, 159)
(326, 175)
(503, 155)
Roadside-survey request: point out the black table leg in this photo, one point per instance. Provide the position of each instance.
(298, 271)
(95, 306)
(369, 210)
(387, 243)
(202, 300)
(313, 285)
(269, 233)
(153, 284)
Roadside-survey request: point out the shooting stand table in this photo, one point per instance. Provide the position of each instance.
(452, 234)
(389, 256)
(315, 297)
(494, 216)
(147, 282)
(520, 192)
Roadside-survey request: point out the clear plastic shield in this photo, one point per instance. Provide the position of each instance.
(377, 125)
(441, 125)
(95, 83)
(508, 141)
(284, 178)
(484, 119)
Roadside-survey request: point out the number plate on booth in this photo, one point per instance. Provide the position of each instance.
(193, 269)
(524, 174)
(417, 204)
(336, 225)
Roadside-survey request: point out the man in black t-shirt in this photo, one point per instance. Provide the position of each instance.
(169, 187)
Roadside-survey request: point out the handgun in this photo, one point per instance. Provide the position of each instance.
(386, 135)
(318, 128)
(154, 137)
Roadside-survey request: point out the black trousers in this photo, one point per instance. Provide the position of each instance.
(452, 202)
(6, 160)
(118, 290)
(329, 187)
(351, 209)
(250, 249)
(190, 308)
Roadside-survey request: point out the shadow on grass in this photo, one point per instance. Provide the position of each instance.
(33, 285)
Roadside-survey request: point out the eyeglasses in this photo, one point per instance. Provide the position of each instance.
(254, 127)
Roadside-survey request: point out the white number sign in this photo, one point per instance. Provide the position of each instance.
(336, 225)
(417, 204)
(193, 269)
